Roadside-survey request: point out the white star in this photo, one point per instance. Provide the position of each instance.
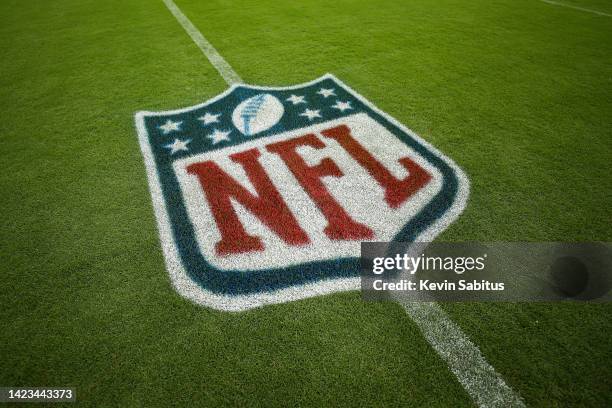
(218, 136)
(170, 126)
(178, 145)
(209, 118)
(311, 114)
(295, 99)
(342, 106)
(326, 92)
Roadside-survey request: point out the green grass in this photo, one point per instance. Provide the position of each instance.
(602, 6)
(518, 93)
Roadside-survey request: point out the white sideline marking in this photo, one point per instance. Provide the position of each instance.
(480, 380)
(229, 75)
(600, 13)
(476, 375)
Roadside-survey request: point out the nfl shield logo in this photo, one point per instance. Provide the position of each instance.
(262, 195)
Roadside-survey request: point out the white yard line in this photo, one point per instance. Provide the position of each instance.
(229, 75)
(599, 13)
(484, 385)
(476, 375)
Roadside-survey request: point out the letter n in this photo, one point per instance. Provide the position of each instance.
(268, 205)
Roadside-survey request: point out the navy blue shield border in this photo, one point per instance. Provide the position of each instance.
(196, 279)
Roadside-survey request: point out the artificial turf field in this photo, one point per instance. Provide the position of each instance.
(518, 93)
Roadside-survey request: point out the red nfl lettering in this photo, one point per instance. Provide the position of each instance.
(269, 207)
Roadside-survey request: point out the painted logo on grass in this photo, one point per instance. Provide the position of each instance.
(263, 195)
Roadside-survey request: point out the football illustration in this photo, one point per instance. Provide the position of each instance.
(257, 114)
